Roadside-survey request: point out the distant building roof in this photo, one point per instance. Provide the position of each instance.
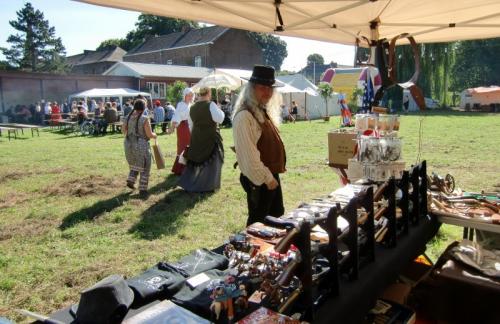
(186, 38)
(114, 54)
(157, 70)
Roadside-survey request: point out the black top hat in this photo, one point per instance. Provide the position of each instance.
(107, 301)
(264, 75)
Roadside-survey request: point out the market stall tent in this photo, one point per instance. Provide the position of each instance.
(339, 21)
(110, 93)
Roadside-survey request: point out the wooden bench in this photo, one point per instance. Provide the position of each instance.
(33, 128)
(68, 123)
(9, 130)
(116, 126)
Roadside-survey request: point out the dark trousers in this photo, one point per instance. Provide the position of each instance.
(262, 201)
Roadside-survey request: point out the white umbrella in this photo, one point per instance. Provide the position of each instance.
(218, 80)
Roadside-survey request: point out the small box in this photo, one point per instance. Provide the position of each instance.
(340, 147)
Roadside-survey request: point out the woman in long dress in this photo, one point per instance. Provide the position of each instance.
(137, 131)
(205, 153)
(181, 122)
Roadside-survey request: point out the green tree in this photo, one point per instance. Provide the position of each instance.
(476, 64)
(111, 43)
(273, 49)
(315, 59)
(36, 48)
(174, 91)
(436, 61)
(150, 26)
(326, 91)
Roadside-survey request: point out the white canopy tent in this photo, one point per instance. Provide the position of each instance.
(119, 93)
(340, 21)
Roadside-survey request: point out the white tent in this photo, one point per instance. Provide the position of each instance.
(110, 93)
(340, 21)
(297, 80)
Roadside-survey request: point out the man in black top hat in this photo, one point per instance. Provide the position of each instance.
(259, 149)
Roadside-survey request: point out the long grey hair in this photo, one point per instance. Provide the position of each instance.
(247, 101)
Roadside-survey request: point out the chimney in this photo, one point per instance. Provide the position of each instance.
(185, 28)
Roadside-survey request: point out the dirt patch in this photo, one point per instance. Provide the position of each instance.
(14, 175)
(28, 228)
(17, 175)
(12, 199)
(91, 185)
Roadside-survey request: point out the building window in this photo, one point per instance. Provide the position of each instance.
(197, 61)
(158, 90)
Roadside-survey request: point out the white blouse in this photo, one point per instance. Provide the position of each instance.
(182, 113)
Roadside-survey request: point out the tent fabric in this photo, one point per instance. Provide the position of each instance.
(118, 92)
(490, 90)
(140, 70)
(336, 21)
(298, 81)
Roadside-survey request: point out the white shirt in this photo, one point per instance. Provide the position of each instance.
(182, 113)
(216, 112)
(246, 134)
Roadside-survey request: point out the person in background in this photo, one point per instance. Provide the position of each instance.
(110, 116)
(158, 115)
(47, 110)
(99, 110)
(182, 123)
(205, 154)
(285, 113)
(127, 108)
(65, 107)
(406, 102)
(38, 113)
(169, 113)
(93, 105)
(138, 132)
(295, 111)
(259, 149)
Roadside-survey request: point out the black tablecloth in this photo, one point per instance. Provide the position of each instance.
(357, 297)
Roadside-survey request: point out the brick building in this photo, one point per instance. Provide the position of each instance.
(204, 47)
(95, 62)
(25, 88)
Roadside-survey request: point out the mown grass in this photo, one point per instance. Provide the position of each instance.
(67, 220)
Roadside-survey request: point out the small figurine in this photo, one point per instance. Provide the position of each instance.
(242, 301)
(223, 296)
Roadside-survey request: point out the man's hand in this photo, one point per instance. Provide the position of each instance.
(273, 184)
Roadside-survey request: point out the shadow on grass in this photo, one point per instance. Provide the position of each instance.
(105, 206)
(166, 216)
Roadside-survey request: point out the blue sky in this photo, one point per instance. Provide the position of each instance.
(83, 26)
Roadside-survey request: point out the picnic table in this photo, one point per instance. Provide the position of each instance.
(33, 128)
(9, 130)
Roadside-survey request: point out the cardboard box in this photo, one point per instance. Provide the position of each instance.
(340, 147)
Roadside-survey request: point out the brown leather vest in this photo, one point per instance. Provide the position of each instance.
(271, 148)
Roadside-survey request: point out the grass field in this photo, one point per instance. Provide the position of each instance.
(67, 219)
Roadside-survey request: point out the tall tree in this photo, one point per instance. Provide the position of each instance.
(315, 59)
(476, 64)
(273, 49)
(36, 48)
(150, 25)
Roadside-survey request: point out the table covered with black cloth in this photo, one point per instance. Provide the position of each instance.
(357, 297)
